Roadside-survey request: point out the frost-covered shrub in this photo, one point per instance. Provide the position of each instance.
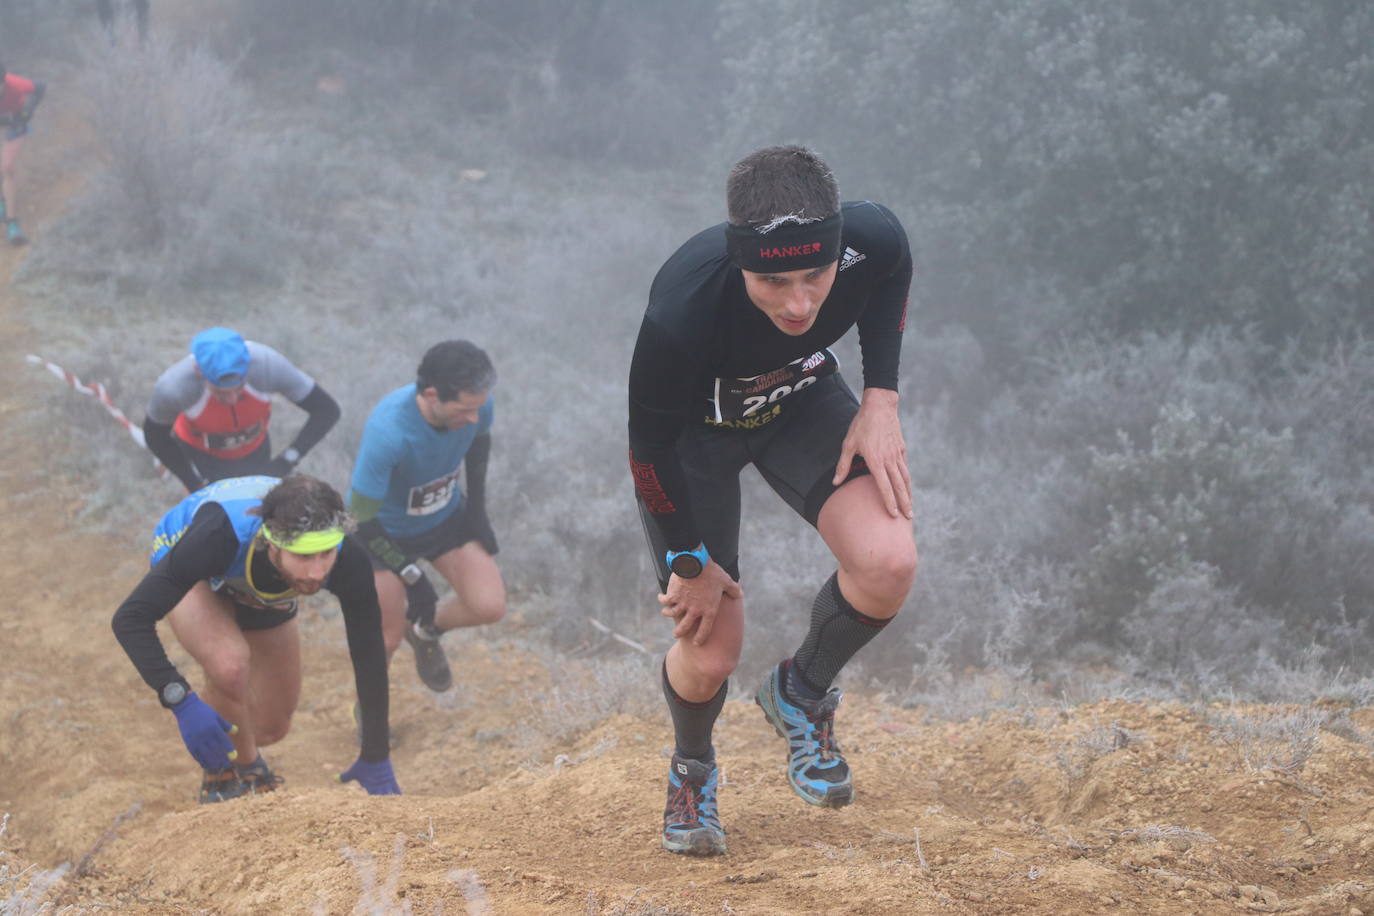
(1202, 491)
(195, 190)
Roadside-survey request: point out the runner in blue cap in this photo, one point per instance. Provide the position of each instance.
(208, 416)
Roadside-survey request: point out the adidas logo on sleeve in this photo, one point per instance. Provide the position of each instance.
(850, 258)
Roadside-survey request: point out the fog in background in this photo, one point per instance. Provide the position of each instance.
(1137, 385)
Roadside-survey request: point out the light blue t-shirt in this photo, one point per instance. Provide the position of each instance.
(411, 466)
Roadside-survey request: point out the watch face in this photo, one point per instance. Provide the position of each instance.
(686, 565)
(173, 693)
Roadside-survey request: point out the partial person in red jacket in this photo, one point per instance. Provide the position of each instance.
(18, 99)
(207, 418)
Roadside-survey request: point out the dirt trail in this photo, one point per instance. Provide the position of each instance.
(1108, 808)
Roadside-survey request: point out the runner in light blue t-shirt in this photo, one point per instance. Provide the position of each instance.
(409, 505)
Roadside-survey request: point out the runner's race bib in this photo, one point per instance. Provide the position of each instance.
(429, 498)
(223, 442)
(745, 403)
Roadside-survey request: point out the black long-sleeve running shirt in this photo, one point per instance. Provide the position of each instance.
(323, 413)
(702, 334)
(206, 551)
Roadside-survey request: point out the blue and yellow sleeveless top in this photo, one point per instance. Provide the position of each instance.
(235, 496)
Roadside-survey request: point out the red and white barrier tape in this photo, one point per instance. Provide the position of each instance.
(98, 392)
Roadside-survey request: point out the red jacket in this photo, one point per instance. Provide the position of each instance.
(16, 91)
(226, 431)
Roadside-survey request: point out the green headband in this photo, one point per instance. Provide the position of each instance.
(309, 542)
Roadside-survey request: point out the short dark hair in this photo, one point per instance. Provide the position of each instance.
(454, 367)
(302, 503)
(780, 181)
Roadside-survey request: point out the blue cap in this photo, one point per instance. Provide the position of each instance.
(221, 355)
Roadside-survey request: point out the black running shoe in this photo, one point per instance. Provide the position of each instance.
(221, 785)
(691, 825)
(430, 661)
(258, 777)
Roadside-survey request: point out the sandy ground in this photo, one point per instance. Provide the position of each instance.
(1113, 807)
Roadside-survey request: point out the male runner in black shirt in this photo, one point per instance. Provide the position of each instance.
(731, 367)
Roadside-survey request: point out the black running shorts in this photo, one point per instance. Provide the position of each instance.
(796, 453)
(251, 617)
(450, 534)
(212, 469)
(256, 618)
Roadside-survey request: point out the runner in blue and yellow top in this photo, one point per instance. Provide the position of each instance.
(228, 563)
(409, 505)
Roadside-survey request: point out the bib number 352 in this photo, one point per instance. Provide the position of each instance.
(433, 496)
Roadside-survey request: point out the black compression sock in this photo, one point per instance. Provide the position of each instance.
(837, 632)
(693, 722)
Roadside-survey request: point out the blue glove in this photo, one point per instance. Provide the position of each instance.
(376, 777)
(205, 732)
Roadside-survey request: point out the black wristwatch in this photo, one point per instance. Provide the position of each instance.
(172, 694)
(688, 564)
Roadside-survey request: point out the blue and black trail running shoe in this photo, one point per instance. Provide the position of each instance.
(258, 777)
(221, 785)
(815, 766)
(691, 825)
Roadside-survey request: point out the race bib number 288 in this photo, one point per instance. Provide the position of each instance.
(744, 401)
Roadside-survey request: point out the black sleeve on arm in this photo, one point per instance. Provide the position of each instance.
(324, 413)
(475, 469)
(882, 323)
(661, 391)
(158, 436)
(203, 552)
(351, 580)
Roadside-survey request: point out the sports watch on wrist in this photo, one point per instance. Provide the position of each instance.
(688, 564)
(411, 574)
(172, 694)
